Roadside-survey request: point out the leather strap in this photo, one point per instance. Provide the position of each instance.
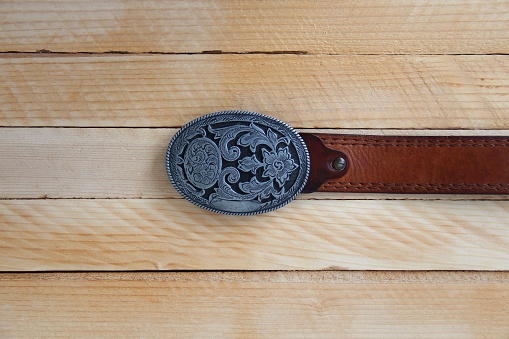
(409, 164)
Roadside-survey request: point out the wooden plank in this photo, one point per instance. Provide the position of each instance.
(123, 163)
(258, 304)
(360, 27)
(415, 92)
(153, 234)
(84, 163)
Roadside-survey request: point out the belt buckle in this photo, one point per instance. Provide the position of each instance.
(238, 162)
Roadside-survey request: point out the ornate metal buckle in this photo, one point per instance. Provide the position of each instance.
(238, 162)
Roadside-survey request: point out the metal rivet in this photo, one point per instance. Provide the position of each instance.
(339, 164)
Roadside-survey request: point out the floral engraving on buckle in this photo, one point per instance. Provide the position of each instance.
(238, 162)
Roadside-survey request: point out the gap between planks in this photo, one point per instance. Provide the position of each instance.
(50, 54)
(340, 277)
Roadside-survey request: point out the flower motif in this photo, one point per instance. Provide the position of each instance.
(204, 173)
(278, 165)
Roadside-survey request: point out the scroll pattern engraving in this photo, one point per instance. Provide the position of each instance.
(276, 162)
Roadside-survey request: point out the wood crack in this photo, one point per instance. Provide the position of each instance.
(257, 52)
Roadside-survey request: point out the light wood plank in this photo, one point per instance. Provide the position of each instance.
(415, 92)
(261, 305)
(380, 27)
(84, 163)
(152, 234)
(125, 163)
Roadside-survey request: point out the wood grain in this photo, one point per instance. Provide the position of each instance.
(124, 163)
(84, 163)
(153, 234)
(415, 92)
(338, 27)
(258, 304)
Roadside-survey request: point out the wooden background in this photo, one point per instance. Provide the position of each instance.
(94, 241)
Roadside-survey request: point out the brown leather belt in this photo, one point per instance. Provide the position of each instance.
(243, 163)
(409, 164)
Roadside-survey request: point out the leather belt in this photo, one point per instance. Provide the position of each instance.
(409, 164)
(243, 163)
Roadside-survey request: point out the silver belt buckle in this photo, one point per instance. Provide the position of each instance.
(238, 162)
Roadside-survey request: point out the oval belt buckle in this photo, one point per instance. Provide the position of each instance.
(238, 162)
